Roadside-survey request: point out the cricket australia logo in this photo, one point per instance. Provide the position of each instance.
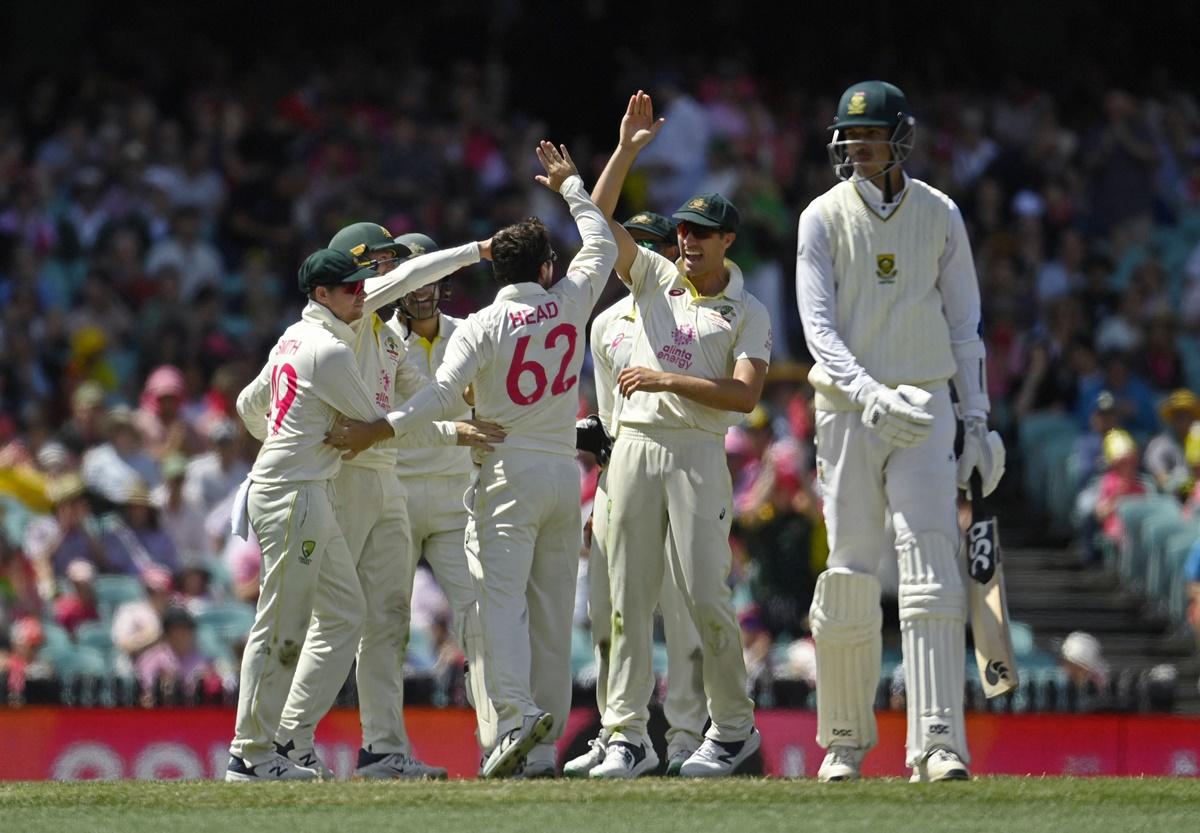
(885, 268)
(306, 551)
(683, 335)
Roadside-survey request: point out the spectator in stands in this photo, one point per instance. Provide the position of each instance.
(113, 470)
(216, 475)
(1191, 455)
(756, 651)
(159, 418)
(73, 609)
(1164, 456)
(134, 541)
(172, 668)
(182, 519)
(23, 662)
(72, 533)
(85, 427)
(137, 625)
(1135, 401)
(198, 262)
(1087, 457)
(1119, 481)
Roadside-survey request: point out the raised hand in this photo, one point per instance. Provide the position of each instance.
(558, 165)
(638, 125)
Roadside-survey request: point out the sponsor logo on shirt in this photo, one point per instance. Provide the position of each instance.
(675, 355)
(676, 292)
(683, 335)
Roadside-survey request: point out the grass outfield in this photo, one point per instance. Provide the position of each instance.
(1023, 805)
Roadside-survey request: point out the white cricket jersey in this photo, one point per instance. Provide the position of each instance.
(306, 371)
(612, 343)
(684, 332)
(421, 360)
(887, 292)
(523, 353)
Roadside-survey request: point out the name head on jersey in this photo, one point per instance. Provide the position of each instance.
(521, 253)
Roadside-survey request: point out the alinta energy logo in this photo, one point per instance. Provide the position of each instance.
(683, 335)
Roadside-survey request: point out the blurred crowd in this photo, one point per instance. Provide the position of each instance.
(148, 250)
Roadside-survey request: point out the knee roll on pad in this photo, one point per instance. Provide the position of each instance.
(846, 619)
(933, 606)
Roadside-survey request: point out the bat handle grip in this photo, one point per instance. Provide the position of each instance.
(976, 492)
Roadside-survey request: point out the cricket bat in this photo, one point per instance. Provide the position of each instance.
(987, 600)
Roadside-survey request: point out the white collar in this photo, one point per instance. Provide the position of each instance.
(873, 196)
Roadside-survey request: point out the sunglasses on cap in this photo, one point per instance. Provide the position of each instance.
(699, 232)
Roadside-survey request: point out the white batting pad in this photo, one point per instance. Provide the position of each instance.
(933, 606)
(846, 619)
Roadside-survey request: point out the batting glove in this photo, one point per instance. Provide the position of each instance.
(983, 450)
(898, 416)
(591, 435)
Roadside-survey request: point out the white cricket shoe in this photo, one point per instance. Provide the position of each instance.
(842, 763)
(580, 767)
(625, 760)
(940, 764)
(396, 765)
(510, 752)
(716, 759)
(306, 758)
(278, 768)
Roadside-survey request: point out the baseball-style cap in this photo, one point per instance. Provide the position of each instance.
(870, 104)
(710, 210)
(329, 267)
(416, 244)
(361, 240)
(651, 223)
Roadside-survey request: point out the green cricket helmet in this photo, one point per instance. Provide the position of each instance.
(871, 104)
(410, 305)
(363, 240)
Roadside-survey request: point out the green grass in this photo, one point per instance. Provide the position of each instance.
(1003, 805)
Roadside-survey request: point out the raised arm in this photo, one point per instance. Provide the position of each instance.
(419, 271)
(590, 269)
(638, 129)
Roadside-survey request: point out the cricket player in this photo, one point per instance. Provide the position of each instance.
(890, 304)
(436, 480)
(612, 336)
(309, 570)
(699, 360)
(523, 354)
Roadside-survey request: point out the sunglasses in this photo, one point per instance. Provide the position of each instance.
(699, 232)
(652, 245)
(352, 288)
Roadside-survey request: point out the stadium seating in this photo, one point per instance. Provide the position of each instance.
(114, 591)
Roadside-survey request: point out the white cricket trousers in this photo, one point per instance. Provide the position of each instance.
(670, 499)
(523, 544)
(438, 518)
(307, 572)
(685, 706)
(371, 510)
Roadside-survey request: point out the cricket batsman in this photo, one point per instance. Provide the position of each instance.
(889, 300)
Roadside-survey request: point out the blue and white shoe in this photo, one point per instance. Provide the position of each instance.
(306, 758)
(510, 752)
(278, 768)
(715, 759)
(625, 760)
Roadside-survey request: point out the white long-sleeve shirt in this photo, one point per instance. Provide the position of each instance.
(872, 277)
(421, 360)
(611, 342)
(524, 351)
(311, 376)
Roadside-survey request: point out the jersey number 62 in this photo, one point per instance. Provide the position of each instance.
(522, 366)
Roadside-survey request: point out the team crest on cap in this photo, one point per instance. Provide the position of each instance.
(885, 268)
(858, 103)
(642, 218)
(699, 204)
(358, 250)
